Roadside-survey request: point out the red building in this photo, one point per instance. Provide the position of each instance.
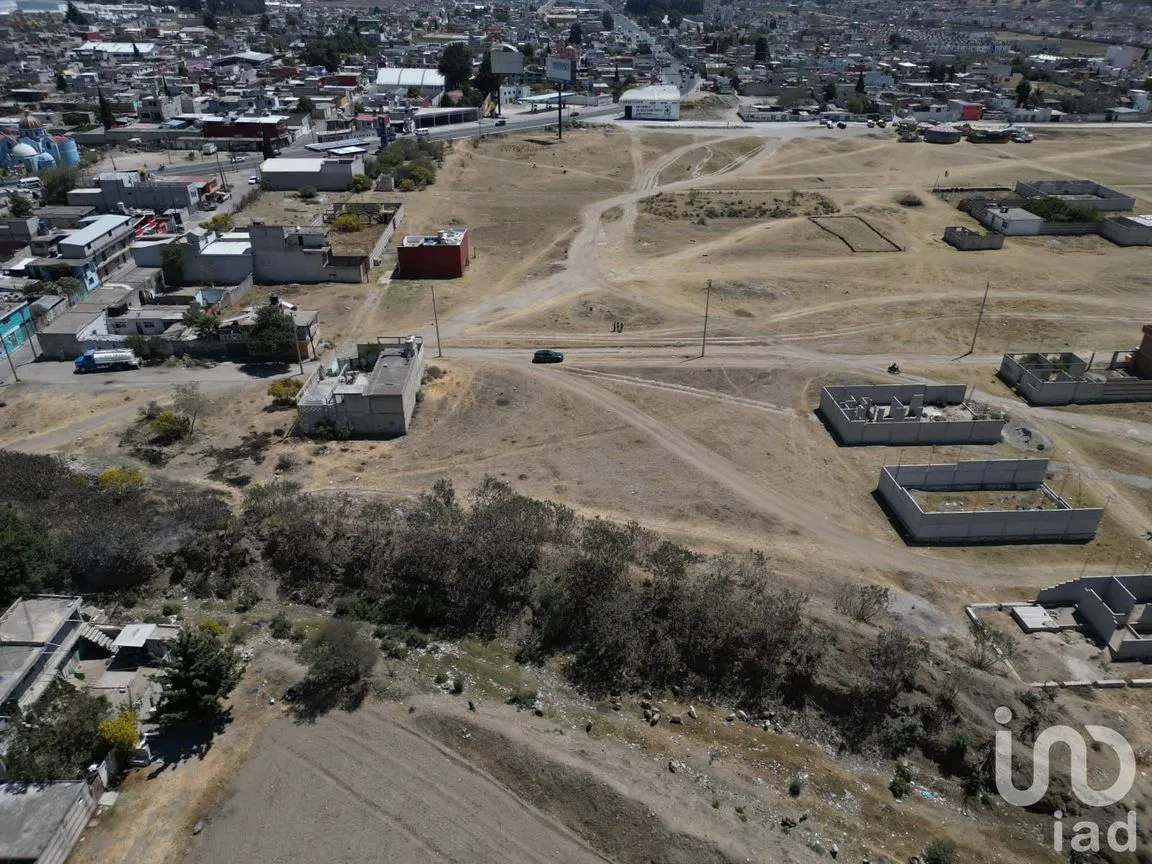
(443, 255)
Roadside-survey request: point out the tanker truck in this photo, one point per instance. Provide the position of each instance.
(106, 361)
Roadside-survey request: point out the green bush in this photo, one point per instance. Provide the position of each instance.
(1058, 210)
(284, 391)
(899, 736)
(347, 223)
(168, 426)
(360, 183)
(171, 608)
(901, 783)
(522, 697)
(215, 626)
(941, 851)
(240, 633)
(280, 626)
(306, 193)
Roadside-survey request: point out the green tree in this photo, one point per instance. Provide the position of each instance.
(19, 206)
(198, 672)
(607, 23)
(30, 560)
(265, 23)
(860, 84)
(830, 91)
(135, 52)
(106, 118)
(209, 20)
(172, 263)
(304, 105)
(182, 69)
(487, 82)
(575, 35)
(74, 15)
(58, 738)
(1023, 93)
(57, 182)
(338, 654)
(761, 50)
(455, 65)
(61, 82)
(189, 402)
(273, 331)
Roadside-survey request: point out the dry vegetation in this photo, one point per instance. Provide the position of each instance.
(719, 454)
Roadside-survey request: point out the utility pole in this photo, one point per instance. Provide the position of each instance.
(707, 303)
(8, 354)
(223, 180)
(436, 321)
(560, 110)
(979, 318)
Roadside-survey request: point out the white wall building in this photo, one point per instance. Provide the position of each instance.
(656, 102)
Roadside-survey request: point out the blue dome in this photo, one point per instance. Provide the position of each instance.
(45, 159)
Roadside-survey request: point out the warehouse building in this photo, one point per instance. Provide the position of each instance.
(443, 255)
(656, 102)
(323, 174)
(393, 80)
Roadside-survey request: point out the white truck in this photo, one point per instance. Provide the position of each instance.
(106, 361)
(208, 149)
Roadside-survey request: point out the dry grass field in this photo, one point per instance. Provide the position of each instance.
(722, 452)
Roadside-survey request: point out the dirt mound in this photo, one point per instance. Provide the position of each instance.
(619, 827)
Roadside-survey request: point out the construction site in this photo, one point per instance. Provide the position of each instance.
(696, 352)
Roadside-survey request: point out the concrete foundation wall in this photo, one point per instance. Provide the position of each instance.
(1123, 232)
(972, 241)
(905, 432)
(1063, 385)
(1119, 598)
(987, 526)
(1133, 648)
(1097, 617)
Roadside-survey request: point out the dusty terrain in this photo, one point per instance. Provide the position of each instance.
(721, 452)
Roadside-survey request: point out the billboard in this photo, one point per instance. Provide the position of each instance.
(560, 69)
(506, 61)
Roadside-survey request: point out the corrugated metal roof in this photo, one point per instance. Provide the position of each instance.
(397, 77)
(134, 636)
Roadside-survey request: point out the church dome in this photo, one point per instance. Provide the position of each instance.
(23, 151)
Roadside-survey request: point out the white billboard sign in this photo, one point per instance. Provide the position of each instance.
(560, 69)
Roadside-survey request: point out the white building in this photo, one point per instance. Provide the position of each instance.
(428, 82)
(656, 102)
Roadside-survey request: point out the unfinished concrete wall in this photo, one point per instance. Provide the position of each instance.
(967, 240)
(981, 526)
(1123, 231)
(1096, 615)
(858, 431)
(1057, 379)
(1133, 647)
(1119, 598)
(1069, 593)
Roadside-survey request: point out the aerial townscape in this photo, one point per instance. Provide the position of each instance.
(649, 432)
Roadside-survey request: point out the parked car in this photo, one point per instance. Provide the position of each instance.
(574, 114)
(501, 122)
(253, 180)
(841, 125)
(871, 124)
(422, 133)
(881, 123)
(547, 355)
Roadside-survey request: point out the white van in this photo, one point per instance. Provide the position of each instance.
(29, 183)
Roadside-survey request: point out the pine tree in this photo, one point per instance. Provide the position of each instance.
(106, 118)
(199, 671)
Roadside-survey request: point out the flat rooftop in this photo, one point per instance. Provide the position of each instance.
(35, 620)
(30, 816)
(390, 372)
(443, 238)
(284, 165)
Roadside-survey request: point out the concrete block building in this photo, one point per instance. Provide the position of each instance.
(369, 395)
(325, 175)
(907, 414)
(41, 822)
(1083, 193)
(116, 190)
(90, 253)
(1064, 378)
(38, 637)
(655, 102)
(965, 515)
(281, 255)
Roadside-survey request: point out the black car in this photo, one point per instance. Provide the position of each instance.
(547, 355)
